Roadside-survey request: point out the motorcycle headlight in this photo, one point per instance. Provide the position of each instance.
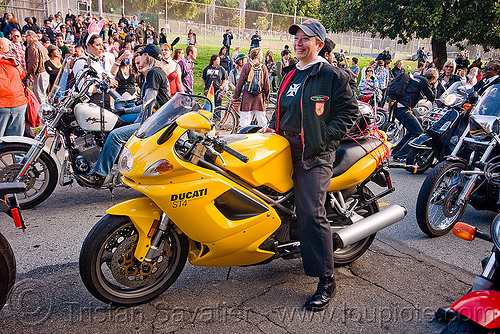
(450, 99)
(482, 126)
(46, 112)
(495, 231)
(160, 167)
(125, 161)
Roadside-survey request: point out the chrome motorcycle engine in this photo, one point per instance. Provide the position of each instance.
(88, 150)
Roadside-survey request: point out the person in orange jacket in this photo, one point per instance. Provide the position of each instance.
(13, 102)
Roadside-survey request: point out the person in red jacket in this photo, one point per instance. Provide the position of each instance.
(13, 102)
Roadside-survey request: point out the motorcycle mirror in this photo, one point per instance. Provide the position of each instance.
(473, 97)
(195, 121)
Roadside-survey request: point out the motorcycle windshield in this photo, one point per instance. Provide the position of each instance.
(458, 87)
(177, 106)
(59, 86)
(489, 103)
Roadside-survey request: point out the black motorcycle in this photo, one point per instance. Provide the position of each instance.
(450, 117)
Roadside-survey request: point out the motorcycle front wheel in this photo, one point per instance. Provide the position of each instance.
(110, 271)
(419, 160)
(350, 253)
(395, 131)
(436, 210)
(40, 179)
(7, 270)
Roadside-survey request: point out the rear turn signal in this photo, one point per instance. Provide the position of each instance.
(466, 106)
(464, 231)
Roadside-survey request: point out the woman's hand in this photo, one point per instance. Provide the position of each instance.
(266, 130)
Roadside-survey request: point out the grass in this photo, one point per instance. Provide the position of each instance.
(205, 52)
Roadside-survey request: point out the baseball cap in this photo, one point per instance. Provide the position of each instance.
(310, 27)
(152, 50)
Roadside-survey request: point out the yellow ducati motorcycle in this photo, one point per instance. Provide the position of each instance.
(220, 201)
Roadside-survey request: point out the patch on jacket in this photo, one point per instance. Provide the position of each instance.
(319, 108)
(319, 98)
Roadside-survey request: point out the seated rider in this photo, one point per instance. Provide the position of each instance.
(156, 87)
(368, 84)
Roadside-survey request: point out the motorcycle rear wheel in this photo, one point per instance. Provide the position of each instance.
(395, 131)
(436, 211)
(109, 270)
(40, 179)
(421, 160)
(7, 270)
(349, 254)
(459, 325)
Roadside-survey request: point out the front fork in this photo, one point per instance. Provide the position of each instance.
(485, 280)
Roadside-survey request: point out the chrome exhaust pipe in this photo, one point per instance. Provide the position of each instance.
(369, 225)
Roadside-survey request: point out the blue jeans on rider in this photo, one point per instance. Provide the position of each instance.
(112, 148)
(413, 129)
(127, 118)
(12, 121)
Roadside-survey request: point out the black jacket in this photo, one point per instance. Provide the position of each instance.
(329, 110)
(441, 88)
(480, 87)
(417, 88)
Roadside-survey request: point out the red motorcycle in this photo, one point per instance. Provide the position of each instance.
(479, 310)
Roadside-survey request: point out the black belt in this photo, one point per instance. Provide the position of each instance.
(291, 134)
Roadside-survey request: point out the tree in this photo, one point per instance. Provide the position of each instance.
(262, 23)
(308, 8)
(444, 21)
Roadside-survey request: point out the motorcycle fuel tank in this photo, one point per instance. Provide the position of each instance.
(270, 160)
(88, 116)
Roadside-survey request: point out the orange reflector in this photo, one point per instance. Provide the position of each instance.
(464, 231)
(153, 228)
(164, 167)
(466, 106)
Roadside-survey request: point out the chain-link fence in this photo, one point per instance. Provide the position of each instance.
(210, 22)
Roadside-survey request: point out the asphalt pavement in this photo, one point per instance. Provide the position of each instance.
(394, 288)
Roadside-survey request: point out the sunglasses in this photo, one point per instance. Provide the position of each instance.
(487, 68)
(448, 66)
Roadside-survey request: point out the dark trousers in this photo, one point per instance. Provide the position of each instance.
(315, 235)
(413, 130)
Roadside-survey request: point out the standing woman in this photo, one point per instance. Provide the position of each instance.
(172, 69)
(314, 128)
(234, 75)
(225, 60)
(253, 104)
(178, 55)
(271, 69)
(216, 75)
(53, 65)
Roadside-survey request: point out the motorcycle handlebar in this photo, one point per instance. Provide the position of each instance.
(236, 154)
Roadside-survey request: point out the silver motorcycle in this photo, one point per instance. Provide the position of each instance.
(69, 142)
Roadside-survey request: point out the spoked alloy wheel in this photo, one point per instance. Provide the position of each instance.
(437, 210)
(350, 253)
(7, 270)
(40, 179)
(110, 271)
(395, 132)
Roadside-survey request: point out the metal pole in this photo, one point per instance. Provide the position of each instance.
(350, 44)
(100, 8)
(166, 17)
(205, 35)
(271, 31)
(123, 7)
(295, 12)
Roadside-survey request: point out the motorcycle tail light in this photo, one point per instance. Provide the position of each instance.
(464, 231)
(160, 167)
(467, 106)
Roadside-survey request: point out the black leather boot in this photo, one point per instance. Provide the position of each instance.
(91, 181)
(324, 293)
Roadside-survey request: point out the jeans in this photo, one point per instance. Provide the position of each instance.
(112, 148)
(413, 130)
(127, 118)
(12, 121)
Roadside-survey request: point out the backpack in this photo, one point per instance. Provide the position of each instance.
(255, 80)
(397, 87)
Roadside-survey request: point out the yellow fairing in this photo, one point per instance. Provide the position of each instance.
(270, 161)
(142, 212)
(361, 170)
(188, 195)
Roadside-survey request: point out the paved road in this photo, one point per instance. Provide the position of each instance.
(393, 288)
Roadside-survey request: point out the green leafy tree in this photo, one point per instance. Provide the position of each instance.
(444, 21)
(262, 23)
(308, 8)
(238, 22)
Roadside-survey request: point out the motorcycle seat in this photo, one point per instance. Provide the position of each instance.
(350, 152)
